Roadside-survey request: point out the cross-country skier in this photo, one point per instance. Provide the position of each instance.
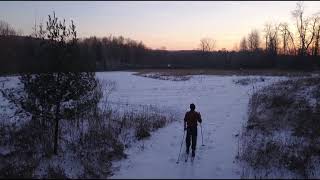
(191, 120)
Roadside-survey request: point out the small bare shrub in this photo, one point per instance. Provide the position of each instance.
(18, 168)
(96, 156)
(248, 80)
(282, 101)
(159, 122)
(26, 147)
(164, 76)
(56, 173)
(143, 128)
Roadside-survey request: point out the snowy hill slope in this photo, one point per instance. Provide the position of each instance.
(223, 106)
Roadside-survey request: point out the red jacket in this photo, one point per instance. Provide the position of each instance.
(191, 118)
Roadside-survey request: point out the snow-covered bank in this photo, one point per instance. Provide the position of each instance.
(281, 139)
(223, 106)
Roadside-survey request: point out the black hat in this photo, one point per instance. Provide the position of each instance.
(192, 106)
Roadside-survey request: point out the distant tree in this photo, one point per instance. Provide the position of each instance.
(98, 52)
(271, 38)
(207, 44)
(6, 29)
(253, 40)
(243, 44)
(286, 38)
(163, 48)
(267, 31)
(306, 28)
(316, 41)
(235, 47)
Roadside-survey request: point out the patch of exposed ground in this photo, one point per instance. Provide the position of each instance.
(222, 72)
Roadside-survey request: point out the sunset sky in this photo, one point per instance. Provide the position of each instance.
(174, 25)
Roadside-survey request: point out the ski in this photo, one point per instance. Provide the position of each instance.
(192, 159)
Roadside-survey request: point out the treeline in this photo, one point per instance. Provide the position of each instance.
(229, 60)
(22, 54)
(279, 39)
(25, 54)
(113, 52)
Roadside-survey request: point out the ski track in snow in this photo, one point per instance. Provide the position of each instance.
(223, 107)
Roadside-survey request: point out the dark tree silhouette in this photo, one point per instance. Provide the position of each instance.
(6, 29)
(315, 48)
(254, 40)
(271, 39)
(243, 44)
(207, 44)
(306, 27)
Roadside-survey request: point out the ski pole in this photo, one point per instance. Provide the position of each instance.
(201, 134)
(184, 132)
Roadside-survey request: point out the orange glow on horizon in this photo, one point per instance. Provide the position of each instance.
(173, 25)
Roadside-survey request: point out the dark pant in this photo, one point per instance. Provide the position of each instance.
(191, 135)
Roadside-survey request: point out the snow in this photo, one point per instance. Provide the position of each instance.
(307, 94)
(223, 107)
(7, 109)
(221, 102)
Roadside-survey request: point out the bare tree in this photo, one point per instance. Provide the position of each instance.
(306, 27)
(253, 40)
(6, 29)
(163, 48)
(235, 47)
(316, 41)
(284, 35)
(267, 31)
(286, 38)
(243, 44)
(207, 44)
(271, 38)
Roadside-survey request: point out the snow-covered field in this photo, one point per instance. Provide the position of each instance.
(223, 105)
(221, 101)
